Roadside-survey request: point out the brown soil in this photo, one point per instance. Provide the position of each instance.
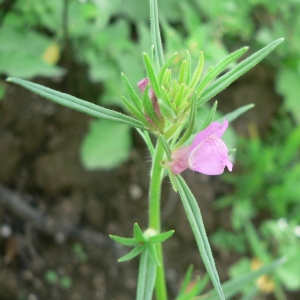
(66, 207)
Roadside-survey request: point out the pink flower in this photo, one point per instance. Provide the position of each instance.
(207, 154)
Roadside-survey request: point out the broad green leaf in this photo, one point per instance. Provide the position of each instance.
(224, 81)
(194, 216)
(234, 286)
(77, 104)
(106, 145)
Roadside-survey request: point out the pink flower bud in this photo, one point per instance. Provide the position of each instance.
(207, 154)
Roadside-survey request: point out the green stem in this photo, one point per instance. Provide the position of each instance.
(154, 216)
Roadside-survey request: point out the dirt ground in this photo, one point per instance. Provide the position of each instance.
(55, 216)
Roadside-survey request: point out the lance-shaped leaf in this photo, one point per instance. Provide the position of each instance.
(147, 275)
(151, 75)
(149, 109)
(224, 81)
(133, 253)
(161, 237)
(215, 71)
(188, 67)
(236, 113)
(194, 216)
(234, 286)
(78, 104)
(166, 147)
(198, 72)
(153, 254)
(210, 116)
(146, 137)
(191, 124)
(182, 72)
(165, 67)
(138, 234)
(139, 115)
(132, 94)
(124, 241)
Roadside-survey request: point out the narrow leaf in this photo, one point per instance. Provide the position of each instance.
(135, 111)
(182, 72)
(191, 124)
(138, 234)
(215, 71)
(155, 34)
(78, 104)
(132, 94)
(124, 241)
(224, 81)
(186, 280)
(166, 147)
(165, 67)
(161, 237)
(146, 137)
(188, 67)
(198, 72)
(236, 113)
(151, 75)
(153, 254)
(194, 216)
(210, 116)
(147, 275)
(133, 253)
(234, 286)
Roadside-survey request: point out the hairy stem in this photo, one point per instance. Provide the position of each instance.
(154, 216)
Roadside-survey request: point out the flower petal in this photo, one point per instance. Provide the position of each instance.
(210, 157)
(215, 128)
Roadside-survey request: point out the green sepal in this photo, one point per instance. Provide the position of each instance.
(124, 241)
(224, 81)
(161, 237)
(78, 104)
(151, 75)
(133, 253)
(166, 81)
(191, 124)
(132, 94)
(210, 116)
(138, 234)
(215, 71)
(166, 147)
(197, 74)
(153, 254)
(165, 67)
